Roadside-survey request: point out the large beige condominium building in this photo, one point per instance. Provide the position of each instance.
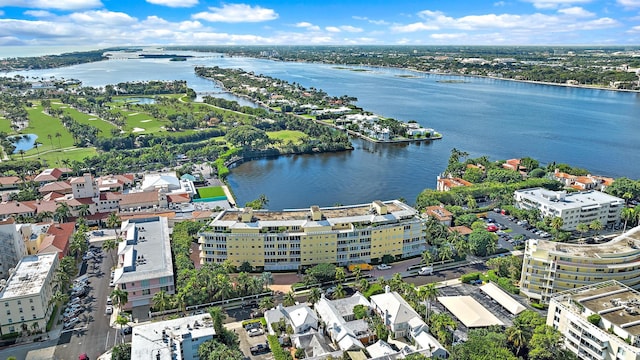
(599, 321)
(293, 239)
(573, 208)
(24, 299)
(550, 267)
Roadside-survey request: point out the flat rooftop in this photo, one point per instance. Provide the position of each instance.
(29, 276)
(612, 300)
(626, 244)
(469, 311)
(147, 340)
(394, 208)
(562, 200)
(145, 252)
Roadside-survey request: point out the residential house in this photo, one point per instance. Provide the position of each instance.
(300, 317)
(444, 216)
(9, 182)
(448, 183)
(57, 239)
(52, 175)
(344, 330)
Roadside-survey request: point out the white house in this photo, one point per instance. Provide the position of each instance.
(300, 317)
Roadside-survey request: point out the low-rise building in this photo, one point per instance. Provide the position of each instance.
(340, 323)
(26, 294)
(294, 239)
(599, 321)
(574, 208)
(300, 317)
(549, 267)
(448, 183)
(144, 263)
(172, 339)
(439, 213)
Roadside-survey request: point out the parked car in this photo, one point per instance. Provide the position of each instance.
(255, 332)
(89, 255)
(257, 314)
(251, 326)
(108, 310)
(426, 270)
(71, 314)
(127, 330)
(70, 323)
(259, 349)
(83, 356)
(383, 267)
(109, 301)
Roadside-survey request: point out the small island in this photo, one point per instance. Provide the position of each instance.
(314, 104)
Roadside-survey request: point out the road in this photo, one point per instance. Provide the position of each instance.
(94, 336)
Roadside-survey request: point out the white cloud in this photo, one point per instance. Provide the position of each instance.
(174, 3)
(237, 13)
(554, 4)
(351, 29)
(576, 11)
(103, 17)
(308, 26)
(371, 21)
(499, 3)
(447, 36)
(332, 29)
(53, 4)
(629, 3)
(419, 26)
(38, 13)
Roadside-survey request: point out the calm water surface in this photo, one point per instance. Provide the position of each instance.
(594, 129)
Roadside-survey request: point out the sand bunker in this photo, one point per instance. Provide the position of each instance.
(137, 130)
(132, 114)
(144, 121)
(91, 119)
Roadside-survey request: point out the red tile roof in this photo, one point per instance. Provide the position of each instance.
(9, 180)
(178, 198)
(463, 230)
(138, 198)
(439, 213)
(15, 207)
(61, 187)
(61, 234)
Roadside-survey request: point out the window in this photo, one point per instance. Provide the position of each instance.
(31, 301)
(33, 308)
(144, 283)
(19, 302)
(146, 292)
(8, 312)
(6, 304)
(20, 310)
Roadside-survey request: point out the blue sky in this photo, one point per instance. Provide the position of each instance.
(318, 22)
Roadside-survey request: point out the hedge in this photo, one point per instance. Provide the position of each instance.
(278, 352)
(9, 336)
(374, 289)
(468, 278)
(261, 320)
(52, 318)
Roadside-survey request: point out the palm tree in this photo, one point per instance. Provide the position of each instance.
(517, 337)
(339, 293)
(180, 301)
(445, 252)
(59, 136)
(119, 297)
(78, 244)
(224, 287)
(340, 274)
(83, 210)
(289, 299)
(314, 295)
(427, 257)
(596, 226)
(59, 297)
(263, 200)
(357, 273)
(363, 285)
(556, 224)
(428, 293)
(266, 303)
(62, 212)
(36, 145)
(582, 228)
(626, 214)
(21, 154)
(107, 246)
(113, 221)
(50, 139)
(217, 316)
(35, 327)
(161, 301)
(122, 321)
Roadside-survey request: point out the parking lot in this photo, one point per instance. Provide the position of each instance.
(91, 334)
(246, 342)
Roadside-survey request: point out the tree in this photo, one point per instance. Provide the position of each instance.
(113, 221)
(107, 246)
(357, 273)
(59, 136)
(482, 242)
(483, 344)
(363, 285)
(556, 224)
(62, 213)
(428, 293)
(340, 274)
(517, 337)
(445, 252)
(627, 214)
(321, 273)
(582, 228)
(596, 226)
(266, 303)
(161, 301)
(122, 321)
(360, 311)
(314, 295)
(289, 299)
(247, 137)
(121, 352)
(339, 293)
(427, 257)
(245, 267)
(217, 316)
(119, 297)
(84, 211)
(215, 350)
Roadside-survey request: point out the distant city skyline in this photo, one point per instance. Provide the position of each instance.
(102, 23)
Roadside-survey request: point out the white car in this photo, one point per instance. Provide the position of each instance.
(427, 270)
(71, 322)
(255, 332)
(383, 267)
(109, 310)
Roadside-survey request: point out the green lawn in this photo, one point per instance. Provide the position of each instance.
(5, 126)
(134, 119)
(105, 127)
(210, 192)
(285, 136)
(43, 125)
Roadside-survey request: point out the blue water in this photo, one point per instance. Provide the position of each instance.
(593, 129)
(23, 142)
(141, 100)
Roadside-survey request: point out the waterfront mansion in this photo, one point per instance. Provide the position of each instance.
(295, 239)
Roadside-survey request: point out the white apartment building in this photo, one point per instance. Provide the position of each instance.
(144, 260)
(172, 339)
(573, 208)
(12, 247)
(549, 267)
(24, 299)
(614, 329)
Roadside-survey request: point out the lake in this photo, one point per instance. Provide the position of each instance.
(23, 142)
(593, 129)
